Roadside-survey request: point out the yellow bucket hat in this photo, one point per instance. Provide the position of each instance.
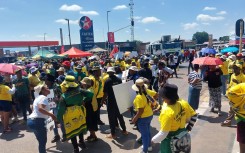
(69, 82)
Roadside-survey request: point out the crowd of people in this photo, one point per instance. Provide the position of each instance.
(72, 91)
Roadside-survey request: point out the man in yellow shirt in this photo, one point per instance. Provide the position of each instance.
(236, 78)
(231, 61)
(98, 89)
(224, 77)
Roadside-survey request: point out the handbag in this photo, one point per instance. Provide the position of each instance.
(181, 143)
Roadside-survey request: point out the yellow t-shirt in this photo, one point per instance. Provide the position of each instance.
(240, 78)
(33, 81)
(224, 68)
(4, 95)
(140, 101)
(97, 87)
(174, 117)
(230, 66)
(84, 70)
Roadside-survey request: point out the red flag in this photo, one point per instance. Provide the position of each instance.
(62, 50)
(111, 37)
(114, 51)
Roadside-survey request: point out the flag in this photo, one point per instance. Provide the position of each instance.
(114, 51)
(62, 50)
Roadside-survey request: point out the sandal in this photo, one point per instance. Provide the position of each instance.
(226, 123)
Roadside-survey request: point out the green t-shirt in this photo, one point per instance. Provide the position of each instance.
(22, 87)
(81, 75)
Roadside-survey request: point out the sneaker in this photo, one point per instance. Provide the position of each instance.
(226, 123)
(55, 139)
(149, 148)
(101, 123)
(63, 139)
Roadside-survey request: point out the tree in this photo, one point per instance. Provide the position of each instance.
(224, 38)
(200, 37)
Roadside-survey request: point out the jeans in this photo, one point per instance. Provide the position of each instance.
(40, 131)
(193, 97)
(144, 127)
(190, 66)
(224, 81)
(56, 133)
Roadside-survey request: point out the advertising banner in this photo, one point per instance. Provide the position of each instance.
(86, 33)
(111, 37)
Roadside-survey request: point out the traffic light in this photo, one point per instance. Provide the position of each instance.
(238, 27)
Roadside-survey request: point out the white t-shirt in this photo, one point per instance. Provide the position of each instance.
(41, 99)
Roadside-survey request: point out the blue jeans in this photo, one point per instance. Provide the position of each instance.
(223, 80)
(144, 125)
(193, 97)
(40, 131)
(56, 133)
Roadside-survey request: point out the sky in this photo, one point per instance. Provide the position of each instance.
(32, 19)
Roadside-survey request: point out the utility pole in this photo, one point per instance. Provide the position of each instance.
(241, 35)
(108, 30)
(69, 30)
(131, 5)
(61, 37)
(44, 36)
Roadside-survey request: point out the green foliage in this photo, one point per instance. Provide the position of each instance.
(224, 38)
(200, 37)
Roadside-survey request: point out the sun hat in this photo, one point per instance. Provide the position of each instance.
(86, 81)
(133, 68)
(79, 67)
(69, 82)
(151, 62)
(66, 63)
(223, 57)
(139, 83)
(232, 57)
(229, 53)
(33, 69)
(38, 88)
(61, 69)
(110, 69)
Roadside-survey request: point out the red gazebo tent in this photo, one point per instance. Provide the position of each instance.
(74, 52)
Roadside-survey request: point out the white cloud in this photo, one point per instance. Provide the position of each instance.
(89, 13)
(206, 18)
(151, 19)
(189, 26)
(209, 8)
(73, 7)
(222, 13)
(147, 30)
(120, 7)
(206, 23)
(63, 21)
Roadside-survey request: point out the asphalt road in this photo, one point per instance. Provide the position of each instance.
(207, 135)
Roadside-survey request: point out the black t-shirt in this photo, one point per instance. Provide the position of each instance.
(214, 78)
(146, 73)
(111, 81)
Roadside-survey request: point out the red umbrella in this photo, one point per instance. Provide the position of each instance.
(9, 68)
(74, 52)
(207, 61)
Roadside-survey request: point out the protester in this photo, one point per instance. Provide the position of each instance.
(68, 69)
(144, 114)
(213, 76)
(91, 110)
(172, 65)
(224, 77)
(174, 115)
(195, 86)
(79, 75)
(236, 96)
(5, 104)
(40, 113)
(133, 73)
(145, 71)
(72, 112)
(112, 108)
(22, 94)
(33, 80)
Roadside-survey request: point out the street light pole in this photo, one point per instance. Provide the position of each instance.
(68, 21)
(108, 30)
(44, 36)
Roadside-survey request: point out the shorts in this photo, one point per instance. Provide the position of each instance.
(5, 106)
(241, 132)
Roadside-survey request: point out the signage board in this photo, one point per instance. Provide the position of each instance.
(86, 33)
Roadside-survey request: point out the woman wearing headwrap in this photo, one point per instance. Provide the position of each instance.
(174, 115)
